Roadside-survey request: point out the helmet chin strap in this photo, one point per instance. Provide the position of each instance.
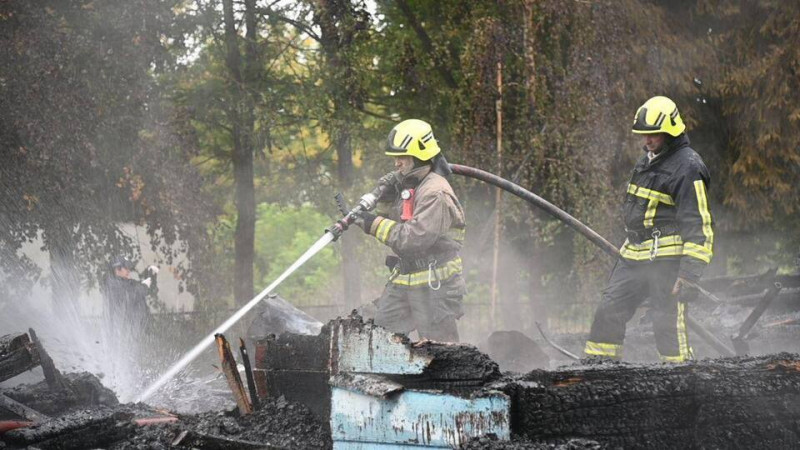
(419, 163)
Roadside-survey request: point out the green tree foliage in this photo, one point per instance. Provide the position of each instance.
(108, 102)
(86, 140)
(758, 91)
(284, 234)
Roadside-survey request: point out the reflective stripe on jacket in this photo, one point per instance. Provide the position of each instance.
(669, 192)
(436, 228)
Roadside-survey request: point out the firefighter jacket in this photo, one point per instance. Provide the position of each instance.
(666, 210)
(126, 299)
(429, 243)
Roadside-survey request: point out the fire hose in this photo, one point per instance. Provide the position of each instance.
(591, 235)
(367, 203)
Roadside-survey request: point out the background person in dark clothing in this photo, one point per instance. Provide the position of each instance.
(126, 298)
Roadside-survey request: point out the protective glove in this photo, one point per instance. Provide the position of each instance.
(364, 220)
(149, 272)
(147, 282)
(684, 291)
(393, 183)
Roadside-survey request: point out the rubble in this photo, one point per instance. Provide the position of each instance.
(515, 352)
(493, 443)
(745, 402)
(78, 412)
(379, 388)
(78, 429)
(751, 402)
(356, 385)
(710, 403)
(278, 424)
(17, 355)
(82, 390)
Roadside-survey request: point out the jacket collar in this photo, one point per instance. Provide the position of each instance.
(414, 178)
(669, 149)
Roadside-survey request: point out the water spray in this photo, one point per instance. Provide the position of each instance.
(366, 203)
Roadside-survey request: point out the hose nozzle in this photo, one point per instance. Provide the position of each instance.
(367, 202)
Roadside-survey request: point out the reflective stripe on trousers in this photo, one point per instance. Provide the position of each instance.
(441, 273)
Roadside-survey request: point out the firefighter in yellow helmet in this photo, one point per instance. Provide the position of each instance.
(423, 224)
(669, 238)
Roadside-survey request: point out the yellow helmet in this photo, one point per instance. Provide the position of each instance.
(658, 115)
(412, 137)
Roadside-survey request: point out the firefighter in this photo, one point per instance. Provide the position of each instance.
(126, 298)
(424, 226)
(669, 238)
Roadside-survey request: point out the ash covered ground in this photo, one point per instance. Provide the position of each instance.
(89, 416)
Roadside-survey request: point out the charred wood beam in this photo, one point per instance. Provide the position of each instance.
(146, 421)
(21, 410)
(739, 343)
(193, 439)
(53, 377)
(751, 284)
(17, 355)
(728, 282)
(228, 364)
(248, 371)
(745, 403)
(709, 337)
(80, 429)
(785, 296)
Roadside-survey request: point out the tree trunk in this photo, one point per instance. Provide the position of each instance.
(334, 40)
(65, 281)
(350, 266)
(538, 305)
(240, 115)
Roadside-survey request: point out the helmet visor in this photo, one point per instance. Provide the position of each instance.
(640, 123)
(397, 150)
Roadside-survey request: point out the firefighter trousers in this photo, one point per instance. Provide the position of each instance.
(630, 284)
(433, 313)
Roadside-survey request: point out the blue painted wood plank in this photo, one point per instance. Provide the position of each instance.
(371, 349)
(415, 418)
(337, 445)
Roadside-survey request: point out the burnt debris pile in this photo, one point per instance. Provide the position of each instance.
(748, 402)
(80, 390)
(278, 424)
(491, 442)
(377, 388)
(75, 411)
(357, 385)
